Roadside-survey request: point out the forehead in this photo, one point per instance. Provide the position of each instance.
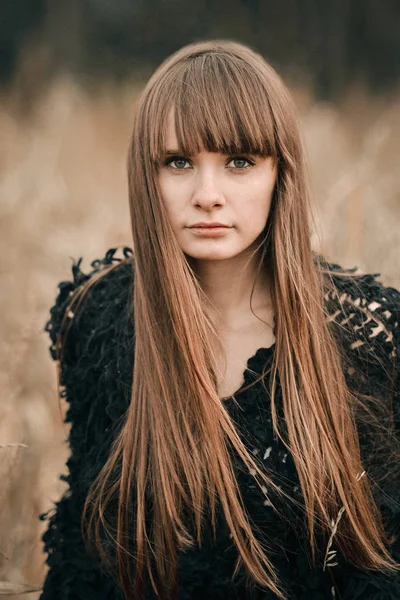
(195, 112)
(179, 135)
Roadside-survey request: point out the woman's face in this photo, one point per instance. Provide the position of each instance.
(212, 187)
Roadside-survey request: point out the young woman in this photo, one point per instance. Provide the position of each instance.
(233, 397)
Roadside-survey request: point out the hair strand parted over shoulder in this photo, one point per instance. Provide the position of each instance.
(171, 458)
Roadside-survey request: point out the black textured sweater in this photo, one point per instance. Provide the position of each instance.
(96, 381)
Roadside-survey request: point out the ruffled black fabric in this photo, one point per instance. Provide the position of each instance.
(97, 378)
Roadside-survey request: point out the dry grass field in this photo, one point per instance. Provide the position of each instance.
(63, 194)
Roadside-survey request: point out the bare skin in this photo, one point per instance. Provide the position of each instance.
(239, 344)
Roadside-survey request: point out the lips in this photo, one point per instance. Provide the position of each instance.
(209, 225)
(210, 231)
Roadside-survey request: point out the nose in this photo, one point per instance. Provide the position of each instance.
(207, 192)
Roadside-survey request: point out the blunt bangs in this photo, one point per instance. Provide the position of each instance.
(218, 103)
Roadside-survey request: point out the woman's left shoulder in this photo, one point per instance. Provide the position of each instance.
(364, 312)
(365, 317)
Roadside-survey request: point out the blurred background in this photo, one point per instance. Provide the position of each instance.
(70, 73)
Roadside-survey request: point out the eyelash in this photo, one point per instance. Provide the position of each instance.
(168, 162)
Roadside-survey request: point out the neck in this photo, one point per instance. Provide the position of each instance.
(228, 286)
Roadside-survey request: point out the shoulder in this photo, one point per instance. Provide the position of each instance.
(92, 339)
(364, 317)
(88, 303)
(365, 314)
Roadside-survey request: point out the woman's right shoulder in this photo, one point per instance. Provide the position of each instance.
(91, 330)
(90, 304)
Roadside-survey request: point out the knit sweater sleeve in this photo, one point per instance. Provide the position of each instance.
(370, 311)
(85, 365)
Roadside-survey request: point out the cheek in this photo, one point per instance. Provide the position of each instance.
(266, 183)
(173, 189)
(168, 194)
(260, 195)
(171, 198)
(254, 205)
(264, 193)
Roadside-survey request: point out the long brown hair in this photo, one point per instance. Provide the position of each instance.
(172, 451)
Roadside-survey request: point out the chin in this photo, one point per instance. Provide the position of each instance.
(210, 254)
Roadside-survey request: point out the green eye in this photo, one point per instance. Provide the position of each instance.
(241, 162)
(179, 162)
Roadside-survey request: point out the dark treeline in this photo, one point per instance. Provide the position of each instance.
(323, 43)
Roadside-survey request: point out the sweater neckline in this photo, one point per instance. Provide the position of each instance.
(256, 364)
